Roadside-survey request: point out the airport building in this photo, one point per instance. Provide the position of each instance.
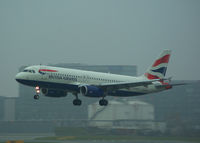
(178, 108)
(7, 108)
(124, 114)
(1, 108)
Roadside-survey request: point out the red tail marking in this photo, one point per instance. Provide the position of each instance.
(150, 76)
(164, 59)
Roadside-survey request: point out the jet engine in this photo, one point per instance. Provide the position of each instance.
(53, 92)
(91, 91)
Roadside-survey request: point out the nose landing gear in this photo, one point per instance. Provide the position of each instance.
(36, 96)
(37, 89)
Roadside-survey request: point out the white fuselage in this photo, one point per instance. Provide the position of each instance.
(71, 79)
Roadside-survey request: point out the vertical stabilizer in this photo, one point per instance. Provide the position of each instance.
(159, 67)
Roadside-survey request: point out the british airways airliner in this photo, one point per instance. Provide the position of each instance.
(58, 82)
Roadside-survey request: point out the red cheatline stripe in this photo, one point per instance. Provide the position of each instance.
(47, 70)
(164, 59)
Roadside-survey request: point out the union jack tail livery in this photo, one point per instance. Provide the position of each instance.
(159, 67)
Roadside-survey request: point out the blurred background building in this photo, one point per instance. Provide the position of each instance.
(171, 111)
(2, 107)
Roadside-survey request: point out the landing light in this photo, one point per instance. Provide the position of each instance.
(37, 88)
(37, 91)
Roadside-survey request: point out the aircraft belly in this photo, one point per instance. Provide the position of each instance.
(134, 91)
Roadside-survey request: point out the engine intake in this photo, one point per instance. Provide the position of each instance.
(91, 91)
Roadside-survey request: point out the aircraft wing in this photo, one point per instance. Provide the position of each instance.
(173, 84)
(126, 85)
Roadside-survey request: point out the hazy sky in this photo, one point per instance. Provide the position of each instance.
(130, 32)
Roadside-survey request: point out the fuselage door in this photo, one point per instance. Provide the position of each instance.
(84, 78)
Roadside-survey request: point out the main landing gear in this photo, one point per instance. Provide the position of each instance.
(103, 102)
(36, 96)
(77, 102)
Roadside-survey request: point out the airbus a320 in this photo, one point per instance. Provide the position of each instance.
(58, 82)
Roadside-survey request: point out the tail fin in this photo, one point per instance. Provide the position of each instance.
(159, 68)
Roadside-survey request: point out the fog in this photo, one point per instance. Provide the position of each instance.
(98, 32)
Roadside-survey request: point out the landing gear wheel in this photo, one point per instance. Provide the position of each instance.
(36, 96)
(77, 102)
(103, 102)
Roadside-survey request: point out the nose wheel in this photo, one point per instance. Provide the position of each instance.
(36, 96)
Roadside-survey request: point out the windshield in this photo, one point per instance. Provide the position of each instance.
(30, 71)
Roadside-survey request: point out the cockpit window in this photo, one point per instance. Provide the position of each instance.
(30, 71)
(25, 71)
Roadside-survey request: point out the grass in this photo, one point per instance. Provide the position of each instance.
(78, 133)
(61, 138)
(31, 142)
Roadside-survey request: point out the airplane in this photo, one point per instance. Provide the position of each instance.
(58, 82)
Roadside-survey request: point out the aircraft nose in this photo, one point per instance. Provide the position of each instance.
(19, 77)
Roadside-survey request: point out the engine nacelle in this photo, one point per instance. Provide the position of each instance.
(91, 91)
(54, 92)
